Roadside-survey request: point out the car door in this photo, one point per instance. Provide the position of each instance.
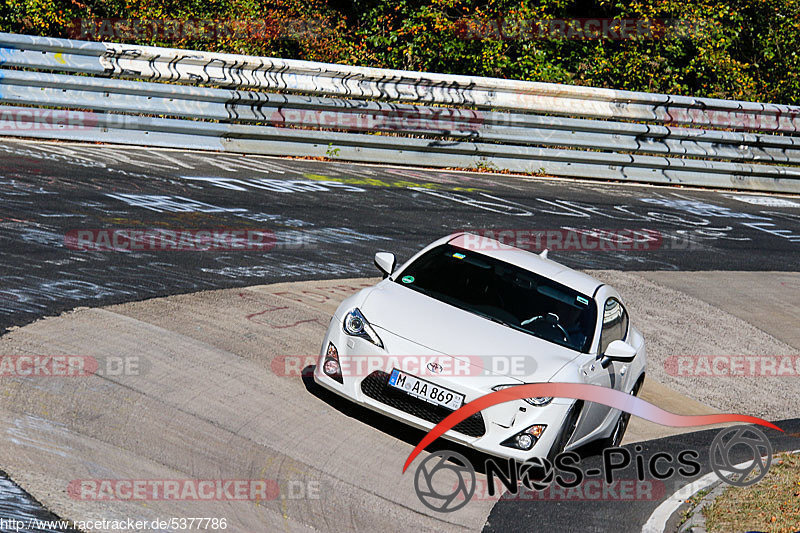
(613, 324)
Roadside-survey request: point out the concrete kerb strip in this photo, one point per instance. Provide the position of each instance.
(205, 346)
(696, 523)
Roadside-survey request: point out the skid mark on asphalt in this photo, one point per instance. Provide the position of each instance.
(282, 326)
(267, 318)
(323, 296)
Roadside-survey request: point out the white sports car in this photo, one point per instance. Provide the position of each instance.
(468, 315)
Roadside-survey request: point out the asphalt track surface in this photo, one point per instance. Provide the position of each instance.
(329, 218)
(617, 513)
(340, 213)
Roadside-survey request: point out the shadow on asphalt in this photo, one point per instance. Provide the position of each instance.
(566, 514)
(410, 435)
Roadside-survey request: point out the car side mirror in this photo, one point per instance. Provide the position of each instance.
(385, 262)
(618, 351)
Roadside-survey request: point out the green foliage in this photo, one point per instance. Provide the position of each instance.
(331, 151)
(741, 49)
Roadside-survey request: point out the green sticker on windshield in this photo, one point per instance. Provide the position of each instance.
(582, 300)
(459, 256)
(407, 279)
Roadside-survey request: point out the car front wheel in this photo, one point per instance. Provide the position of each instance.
(622, 422)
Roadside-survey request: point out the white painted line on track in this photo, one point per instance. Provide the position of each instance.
(523, 177)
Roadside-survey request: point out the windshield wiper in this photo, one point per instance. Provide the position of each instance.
(490, 317)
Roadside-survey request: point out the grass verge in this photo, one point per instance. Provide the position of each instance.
(771, 505)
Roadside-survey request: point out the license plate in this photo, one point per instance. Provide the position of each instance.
(425, 390)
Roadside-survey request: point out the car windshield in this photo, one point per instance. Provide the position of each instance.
(504, 293)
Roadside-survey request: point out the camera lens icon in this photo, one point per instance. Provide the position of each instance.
(537, 473)
(758, 458)
(445, 481)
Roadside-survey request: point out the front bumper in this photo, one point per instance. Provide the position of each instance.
(484, 431)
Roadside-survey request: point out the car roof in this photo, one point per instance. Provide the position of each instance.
(533, 262)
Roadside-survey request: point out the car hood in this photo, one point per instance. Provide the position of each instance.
(445, 329)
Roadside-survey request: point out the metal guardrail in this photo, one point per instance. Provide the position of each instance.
(284, 107)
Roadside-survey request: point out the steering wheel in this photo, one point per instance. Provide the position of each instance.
(551, 320)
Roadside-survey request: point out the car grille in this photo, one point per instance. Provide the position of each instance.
(375, 386)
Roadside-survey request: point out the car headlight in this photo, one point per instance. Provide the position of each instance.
(356, 324)
(332, 367)
(539, 401)
(524, 440)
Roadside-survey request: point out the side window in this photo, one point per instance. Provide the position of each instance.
(615, 323)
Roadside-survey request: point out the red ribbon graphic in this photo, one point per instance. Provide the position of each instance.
(591, 393)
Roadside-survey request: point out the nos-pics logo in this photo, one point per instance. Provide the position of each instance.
(445, 481)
